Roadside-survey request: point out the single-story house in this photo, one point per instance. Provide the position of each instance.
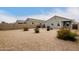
(59, 22)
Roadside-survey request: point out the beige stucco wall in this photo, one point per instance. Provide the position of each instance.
(12, 26)
(5, 26)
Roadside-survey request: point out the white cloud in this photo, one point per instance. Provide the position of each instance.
(72, 13)
(7, 17)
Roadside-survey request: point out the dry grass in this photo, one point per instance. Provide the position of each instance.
(44, 41)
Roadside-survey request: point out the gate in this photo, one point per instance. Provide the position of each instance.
(75, 26)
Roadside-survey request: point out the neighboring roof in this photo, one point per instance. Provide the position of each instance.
(32, 19)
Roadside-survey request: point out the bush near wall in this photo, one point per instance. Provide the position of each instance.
(66, 34)
(26, 29)
(48, 28)
(36, 29)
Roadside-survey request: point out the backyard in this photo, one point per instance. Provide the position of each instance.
(19, 40)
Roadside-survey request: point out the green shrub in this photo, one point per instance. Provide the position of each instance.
(48, 28)
(26, 29)
(66, 34)
(36, 30)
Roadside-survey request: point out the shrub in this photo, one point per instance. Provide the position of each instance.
(36, 30)
(66, 34)
(51, 28)
(26, 29)
(48, 28)
(38, 26)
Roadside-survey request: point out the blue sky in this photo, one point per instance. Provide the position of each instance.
(11, 14)
(22, 11)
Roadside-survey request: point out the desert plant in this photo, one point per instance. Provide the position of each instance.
(38, 26)
(36, 30)
(66, 34)
(26, 29)
(48, 28)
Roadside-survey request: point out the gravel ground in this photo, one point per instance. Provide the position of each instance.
(19, 40)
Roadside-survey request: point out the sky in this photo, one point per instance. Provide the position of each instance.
(11, 14)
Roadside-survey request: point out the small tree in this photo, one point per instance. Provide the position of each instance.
(36, 29)
(38, 26)
(3, 22)
(26, 29)
(48, 28)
